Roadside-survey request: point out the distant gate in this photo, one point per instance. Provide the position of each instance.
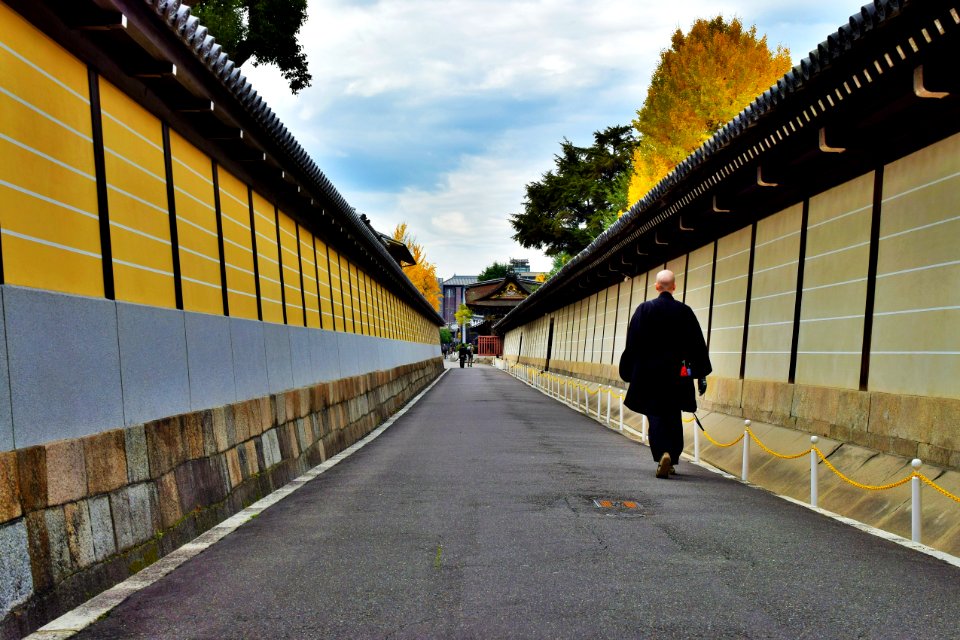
(489, 345)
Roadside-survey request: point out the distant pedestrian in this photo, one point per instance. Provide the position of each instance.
(665, 353)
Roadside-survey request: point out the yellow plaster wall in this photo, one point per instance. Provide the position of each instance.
(327, 309)
(624, 313)
(651, 283)
(915, 347)
(678, 266)
(835, 285)
(587, 327)
(729, 303)
(773, 296)
(598, 330)
(268, 263)
(137, 199)
(336, 295)
(308, 267)
(365, 303)
(356, 296)
(237, 246)
(290, 263)
(638, 289)
(196, 227)
(569, 333)
(346, 290)
(49, 219)
(381, 314)
(699, 282)
(50, 226)
(610, 323)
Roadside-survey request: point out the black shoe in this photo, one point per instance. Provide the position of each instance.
(663, 469)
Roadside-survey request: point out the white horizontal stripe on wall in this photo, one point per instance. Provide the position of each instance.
(207, 206)
(840, 217)
(921, 228)
(840, 250)
(56, 245)
(47, 157)
(138, 167)
(205, 178)
(46, 115)
(921, 187)
(156, 208)
(201, 282)
(140, 233)
(186, 249)
(243, 293)
(142, 268)
(131, 130)
(38, 196)
(44, 73)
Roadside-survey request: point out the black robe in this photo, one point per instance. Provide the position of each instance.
(663, 334)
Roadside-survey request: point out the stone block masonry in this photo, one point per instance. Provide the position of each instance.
(82, 514)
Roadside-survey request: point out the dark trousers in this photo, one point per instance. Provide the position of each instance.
(666, 435)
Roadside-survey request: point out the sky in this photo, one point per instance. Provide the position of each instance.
(438, 113)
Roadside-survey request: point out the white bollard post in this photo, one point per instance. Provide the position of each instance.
(609, 402)
(644, 435)
(745, 467)
(578, 397)
(598, 402)
(916, 507)
(814, 480)
(621, 413)
(696, 442)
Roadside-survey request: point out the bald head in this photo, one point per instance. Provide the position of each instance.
(666, 281)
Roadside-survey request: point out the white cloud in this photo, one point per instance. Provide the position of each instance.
(439, 112)
(462, 221)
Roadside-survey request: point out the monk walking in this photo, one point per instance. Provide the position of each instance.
(665, 353)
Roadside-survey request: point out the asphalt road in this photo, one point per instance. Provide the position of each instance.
(473, 517)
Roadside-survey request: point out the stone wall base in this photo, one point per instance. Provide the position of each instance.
(79, 516)
(909, 426)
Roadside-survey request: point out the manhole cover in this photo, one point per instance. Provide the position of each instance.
(613, 506)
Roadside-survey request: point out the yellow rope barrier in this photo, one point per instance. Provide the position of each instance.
(860, 485)
(774, 453)
(718, 444)
(936, 486)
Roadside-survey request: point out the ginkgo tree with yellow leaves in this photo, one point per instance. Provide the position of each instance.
(703, 80)
(422, 274)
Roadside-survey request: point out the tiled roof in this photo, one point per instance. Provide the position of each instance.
(460, 281)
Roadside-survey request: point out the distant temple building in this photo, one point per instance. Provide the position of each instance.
(453, 290)
(493, 299)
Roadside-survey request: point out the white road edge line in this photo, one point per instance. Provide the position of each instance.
(100, 605)
(880, 533)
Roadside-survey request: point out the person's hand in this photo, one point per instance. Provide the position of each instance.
(702, 385)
